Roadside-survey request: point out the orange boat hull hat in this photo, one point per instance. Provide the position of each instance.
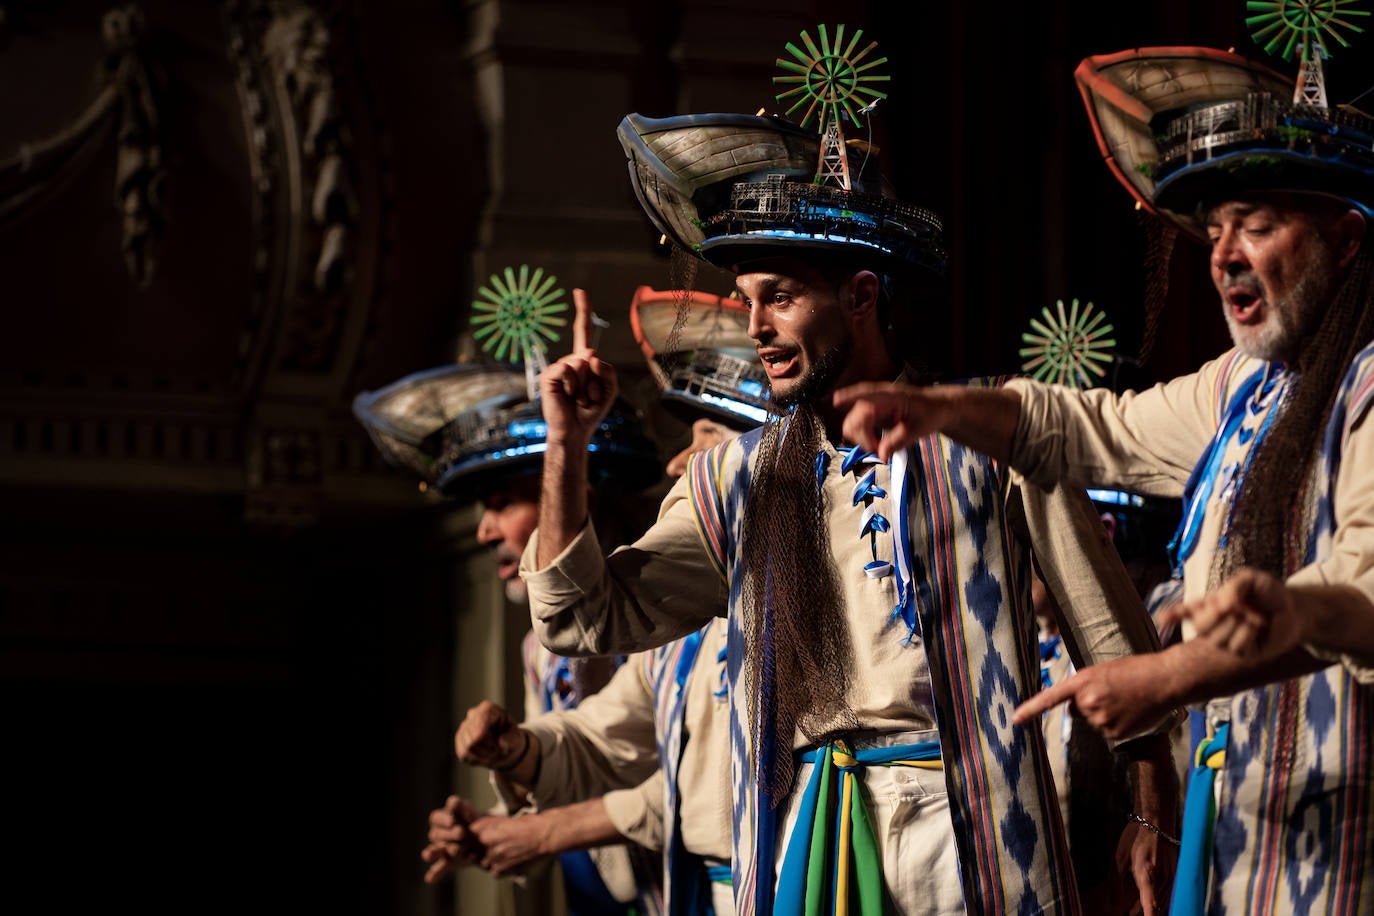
(698, 349)
(1182, 127)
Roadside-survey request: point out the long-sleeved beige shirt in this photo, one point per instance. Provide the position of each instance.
(636, 811)
(1149, 441)
(607, 746)
(665, 585)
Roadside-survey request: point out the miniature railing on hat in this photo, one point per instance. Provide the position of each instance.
(784, 206)
(735, 384)
(1217, 129)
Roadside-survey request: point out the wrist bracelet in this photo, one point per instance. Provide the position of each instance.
(1152, 828)
(524, 749)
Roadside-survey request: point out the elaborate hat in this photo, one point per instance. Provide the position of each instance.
(465, 427)
(699, 351)
(730, 186)
(461, 428)
(1182, 125)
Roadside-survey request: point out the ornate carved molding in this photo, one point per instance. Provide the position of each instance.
(316, 272)
(138, 168)
(287, 54)
(126, 104)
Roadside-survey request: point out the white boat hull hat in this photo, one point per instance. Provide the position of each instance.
(1183, 127)
(732, 188)
(464, 428)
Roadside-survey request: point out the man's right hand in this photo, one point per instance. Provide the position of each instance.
(489, 738)
(451, 842)
(577, 391)
(886, 417)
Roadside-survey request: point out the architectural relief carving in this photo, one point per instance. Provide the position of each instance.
(264, 168)
(126, 103)
(138, 168)
(299, 45)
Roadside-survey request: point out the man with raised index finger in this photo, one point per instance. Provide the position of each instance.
(880, 625)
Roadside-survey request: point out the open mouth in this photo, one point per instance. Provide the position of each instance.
(777, 363)
(507, 566)
(1243, 304)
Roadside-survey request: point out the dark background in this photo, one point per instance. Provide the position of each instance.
(233, 643)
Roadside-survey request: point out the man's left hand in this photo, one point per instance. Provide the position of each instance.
(1252, 613)
(512, 842)
(1150, 861)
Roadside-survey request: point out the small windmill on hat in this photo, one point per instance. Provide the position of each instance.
(1182, 126)
(459, 428)
(727, 186)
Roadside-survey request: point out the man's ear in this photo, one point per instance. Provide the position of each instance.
(1348, 235)
(865, 286)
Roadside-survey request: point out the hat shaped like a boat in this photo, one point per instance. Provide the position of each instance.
(734, 187)
(464, 428)
(1183, 126)
(699, 351)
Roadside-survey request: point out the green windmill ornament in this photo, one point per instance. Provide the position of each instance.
(517, 316)
(1283, 26)
(1068, 348)
(833, 81)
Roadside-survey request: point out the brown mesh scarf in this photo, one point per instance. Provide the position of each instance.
(796, 640)
(1274, 507)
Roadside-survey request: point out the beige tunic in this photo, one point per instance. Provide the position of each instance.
(663, 587)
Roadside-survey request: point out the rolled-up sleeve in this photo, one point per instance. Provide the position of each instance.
(638, 813)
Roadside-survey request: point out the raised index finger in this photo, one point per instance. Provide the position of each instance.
(582, 322)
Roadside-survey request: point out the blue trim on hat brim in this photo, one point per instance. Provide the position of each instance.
(735, 414)
(1293, 172)
(729, 251)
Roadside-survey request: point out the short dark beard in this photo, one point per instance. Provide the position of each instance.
(820, 379)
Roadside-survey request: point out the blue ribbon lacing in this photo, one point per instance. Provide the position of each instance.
(873, 523)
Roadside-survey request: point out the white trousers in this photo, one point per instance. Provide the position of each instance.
(909, 809)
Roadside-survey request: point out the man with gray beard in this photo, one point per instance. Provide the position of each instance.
(1271, 449)
(880, 625)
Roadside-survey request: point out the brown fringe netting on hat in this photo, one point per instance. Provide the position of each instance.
(1160, 236)
(682, 277)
